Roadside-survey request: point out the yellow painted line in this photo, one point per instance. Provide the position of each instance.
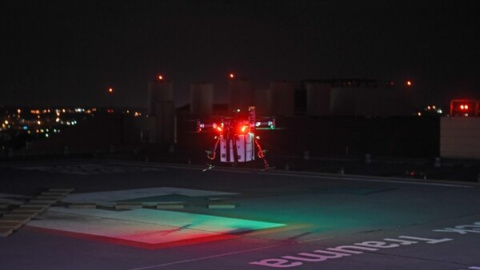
(128, 205)
(83, 205)
(22, 219)
(221, 206)
(4, 232)
(35, 205)
(15, 225)
(20, 216)
(23, 211)
(42, 201)
(171, 205)
(278, 230)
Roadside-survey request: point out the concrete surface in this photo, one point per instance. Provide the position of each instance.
(281, 219)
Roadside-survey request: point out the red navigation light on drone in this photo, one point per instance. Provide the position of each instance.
(243, 129)
(218, 128)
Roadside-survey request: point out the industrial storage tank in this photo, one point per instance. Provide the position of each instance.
(318, 98)
(162, 108)
(201, 99)
(159, 91)
(283, 102)
(241, 94)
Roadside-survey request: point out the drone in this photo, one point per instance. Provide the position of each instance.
(236, 137)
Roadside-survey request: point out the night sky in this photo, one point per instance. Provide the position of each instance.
(70, 52)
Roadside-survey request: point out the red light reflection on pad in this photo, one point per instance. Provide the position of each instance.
(191, 240)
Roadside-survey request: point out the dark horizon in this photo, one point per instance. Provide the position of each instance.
(69, 54)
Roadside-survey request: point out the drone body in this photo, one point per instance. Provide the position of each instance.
(236, 137)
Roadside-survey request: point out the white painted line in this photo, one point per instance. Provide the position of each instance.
(203, 258)
(315, 239)
(35, 205)
(49, 193)
(108, 198)
(330, 176)
(383, 180)
(63, 190)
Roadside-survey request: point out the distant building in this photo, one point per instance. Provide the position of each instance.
(355, 97)
(162, 108)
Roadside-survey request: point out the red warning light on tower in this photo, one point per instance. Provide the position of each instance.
(110, 90)
(409, 83)
(160, 77)
(464, 107)
(231, 76)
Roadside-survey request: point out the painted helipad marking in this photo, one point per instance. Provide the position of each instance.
(109, 198)
(145, 228)
(12, 220)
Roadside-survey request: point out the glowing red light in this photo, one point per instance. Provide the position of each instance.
(243, 129)
(110, 90)
(218, 128)
(160, 77)
(464, 107)
(409, 83)
(232, 76)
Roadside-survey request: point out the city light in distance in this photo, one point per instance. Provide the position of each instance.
(110, 90)
(409, 83)
(231, 76)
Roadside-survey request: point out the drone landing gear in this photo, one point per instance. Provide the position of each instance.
(209, 167)
(211, 155)
(261, 154)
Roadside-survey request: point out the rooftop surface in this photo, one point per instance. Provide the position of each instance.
(139, 215)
